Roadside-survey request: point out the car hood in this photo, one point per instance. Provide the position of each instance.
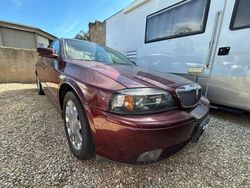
(133, 76)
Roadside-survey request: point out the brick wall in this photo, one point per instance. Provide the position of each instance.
(17, 65)
(97, 32)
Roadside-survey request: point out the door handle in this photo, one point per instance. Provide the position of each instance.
(224, 51)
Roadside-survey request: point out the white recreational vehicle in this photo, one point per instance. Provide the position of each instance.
(204, 40)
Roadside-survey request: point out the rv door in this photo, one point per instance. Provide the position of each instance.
(230, 77)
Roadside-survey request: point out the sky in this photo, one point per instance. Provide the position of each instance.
(62, 18)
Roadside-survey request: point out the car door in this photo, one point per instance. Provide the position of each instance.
(51, 74)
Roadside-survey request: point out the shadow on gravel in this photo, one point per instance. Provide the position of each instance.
(239, 119)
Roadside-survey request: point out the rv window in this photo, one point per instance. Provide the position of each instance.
(183, 19)
(241, 14)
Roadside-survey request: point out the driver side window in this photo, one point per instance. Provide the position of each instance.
(56, 47)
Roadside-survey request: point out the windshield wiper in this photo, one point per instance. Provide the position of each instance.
(84, 59)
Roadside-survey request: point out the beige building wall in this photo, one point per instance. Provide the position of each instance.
(42, 41)
(1, 40)
(17, 65)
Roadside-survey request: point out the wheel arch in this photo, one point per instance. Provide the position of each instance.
(71, 85)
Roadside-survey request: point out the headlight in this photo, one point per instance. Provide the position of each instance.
(141, 101)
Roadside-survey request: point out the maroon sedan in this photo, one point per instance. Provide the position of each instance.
(115, 109)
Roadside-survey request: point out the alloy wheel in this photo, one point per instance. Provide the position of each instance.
(73, 125)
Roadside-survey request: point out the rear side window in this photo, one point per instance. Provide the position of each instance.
(182, 19)
(241, 15)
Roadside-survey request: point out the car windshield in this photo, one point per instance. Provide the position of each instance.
(87, 51)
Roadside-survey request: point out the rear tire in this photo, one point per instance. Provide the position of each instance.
(39, 87)
(77, 127)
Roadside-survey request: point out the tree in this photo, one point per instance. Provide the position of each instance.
(82, 36)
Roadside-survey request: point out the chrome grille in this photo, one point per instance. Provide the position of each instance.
(189, 95)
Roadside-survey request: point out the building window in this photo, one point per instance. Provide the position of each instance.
(241, 14)
(182, 19)
(42, 45)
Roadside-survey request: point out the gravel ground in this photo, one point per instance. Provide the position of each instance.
(34, 152)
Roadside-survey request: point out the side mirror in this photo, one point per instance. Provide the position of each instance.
(47, 52)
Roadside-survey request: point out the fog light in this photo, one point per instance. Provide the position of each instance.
(149, 156)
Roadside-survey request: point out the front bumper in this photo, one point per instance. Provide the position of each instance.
(199, 129)
(142, 139)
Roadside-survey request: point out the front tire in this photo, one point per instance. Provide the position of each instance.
(77, 127)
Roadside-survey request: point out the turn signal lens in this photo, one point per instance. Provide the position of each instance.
(128, 103)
